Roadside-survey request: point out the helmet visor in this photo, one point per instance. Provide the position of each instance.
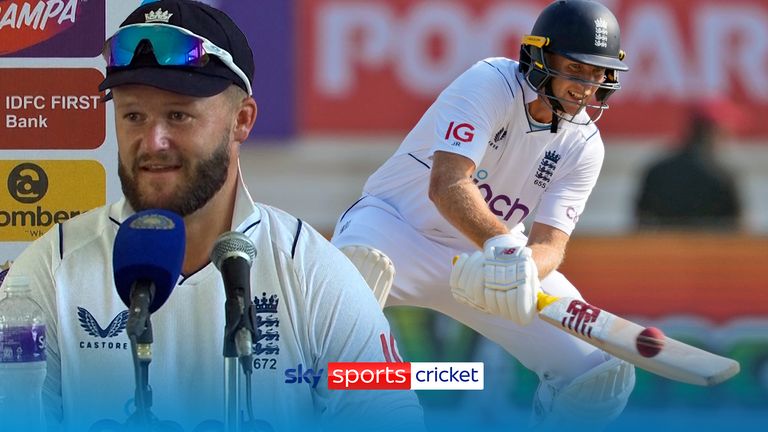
(597, 60)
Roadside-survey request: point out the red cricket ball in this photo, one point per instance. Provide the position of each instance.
(650, 341)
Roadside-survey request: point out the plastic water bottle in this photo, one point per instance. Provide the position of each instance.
(22, 358)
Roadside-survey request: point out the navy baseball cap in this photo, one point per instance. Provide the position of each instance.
(182, 46)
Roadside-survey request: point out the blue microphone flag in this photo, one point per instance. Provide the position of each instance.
(149, 246)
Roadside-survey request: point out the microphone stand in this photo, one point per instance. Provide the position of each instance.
(139, 330)
(239, 331)
(233, 254)
(141, 345)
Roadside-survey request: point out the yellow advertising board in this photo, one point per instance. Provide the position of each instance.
(38, 194)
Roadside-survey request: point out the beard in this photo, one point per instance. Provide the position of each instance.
(201, 181)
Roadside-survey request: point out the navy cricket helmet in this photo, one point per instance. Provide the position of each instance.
(582, 31)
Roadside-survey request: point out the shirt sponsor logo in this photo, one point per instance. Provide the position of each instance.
(463, 132)
(500, 205)
(91, 326)
(41, 194)
(406, 376)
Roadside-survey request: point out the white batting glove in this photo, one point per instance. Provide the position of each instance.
(467, 280)
(503, 280)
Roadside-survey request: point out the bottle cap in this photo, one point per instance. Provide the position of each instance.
(16, 283)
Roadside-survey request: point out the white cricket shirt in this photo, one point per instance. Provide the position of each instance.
(522, 169)
(313, 307)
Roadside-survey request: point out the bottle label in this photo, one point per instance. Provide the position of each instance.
(22, 344)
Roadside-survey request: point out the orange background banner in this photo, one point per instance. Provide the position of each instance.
(718, 277)
(51, 109)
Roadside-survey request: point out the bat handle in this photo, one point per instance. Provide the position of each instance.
(543, 300)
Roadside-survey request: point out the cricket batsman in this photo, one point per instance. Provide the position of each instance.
(507, 141)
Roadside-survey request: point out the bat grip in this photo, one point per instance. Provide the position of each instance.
(543, 300)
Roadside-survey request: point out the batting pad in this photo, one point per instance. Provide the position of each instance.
(375, 267)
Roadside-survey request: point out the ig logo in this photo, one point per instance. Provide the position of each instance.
(462, 132)
(27, 183)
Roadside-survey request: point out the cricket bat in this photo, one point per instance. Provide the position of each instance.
(622, 338)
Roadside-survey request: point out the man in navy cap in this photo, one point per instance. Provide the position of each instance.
(179, 73)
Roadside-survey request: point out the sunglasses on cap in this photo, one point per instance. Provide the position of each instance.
(171, 45)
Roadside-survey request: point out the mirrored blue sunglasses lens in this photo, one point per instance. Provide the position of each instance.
(170, 47)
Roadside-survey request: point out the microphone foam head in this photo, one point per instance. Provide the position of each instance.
(232, 244)
(149, 246)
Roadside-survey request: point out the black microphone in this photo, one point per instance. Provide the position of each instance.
(233, 253)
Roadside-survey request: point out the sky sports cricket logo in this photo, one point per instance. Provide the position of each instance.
(406, 376)
(301, 374)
